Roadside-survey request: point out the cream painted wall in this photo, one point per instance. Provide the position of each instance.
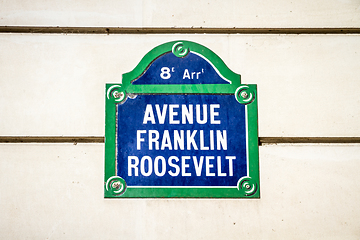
(185, 13)
(54, 84)
(54, 191)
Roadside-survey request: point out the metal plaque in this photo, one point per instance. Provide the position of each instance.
(181, 125)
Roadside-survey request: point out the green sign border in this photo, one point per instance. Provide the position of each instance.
(115, 186)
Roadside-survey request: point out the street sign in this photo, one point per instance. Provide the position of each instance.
(181, 125)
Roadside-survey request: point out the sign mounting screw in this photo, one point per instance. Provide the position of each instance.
(244, 94)
(118, 94)
(116, 185)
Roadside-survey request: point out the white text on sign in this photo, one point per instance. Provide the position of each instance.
(166, 73)
(184, 114)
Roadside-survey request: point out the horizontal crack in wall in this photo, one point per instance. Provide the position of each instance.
(50, 139)
(99, 139)
(174, 30)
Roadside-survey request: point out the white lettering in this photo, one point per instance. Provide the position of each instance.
(184, 166)
(132, 165)
(221, 139)
(171, 164)
(149, 114)
(163, 166)
(172, 114)
(208, 166)
(161, 114)
(220, 174)
(165, 73)
(160, 166)
(186, 74)
(178, 139)
(190, 139)
(166, 142)
(142, 166)
(187, 113)
(198, 165)
(198, 114)
(212, 145)
(231, 168)
(139, 139)
(213, 113)
(153, 139)
(202, 146)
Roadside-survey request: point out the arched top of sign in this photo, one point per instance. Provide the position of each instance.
(193, 68)
(175, 67)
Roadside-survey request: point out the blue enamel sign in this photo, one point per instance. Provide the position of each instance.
(181, 125)
(181, 140)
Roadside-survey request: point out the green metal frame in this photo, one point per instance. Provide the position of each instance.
(115, 186)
